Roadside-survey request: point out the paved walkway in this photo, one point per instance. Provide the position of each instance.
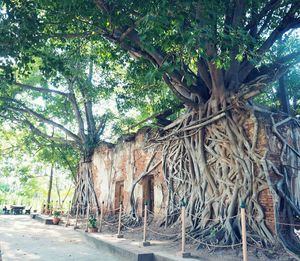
(22, 238)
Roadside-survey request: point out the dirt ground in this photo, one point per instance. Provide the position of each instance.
(172, 244)
(22, 238)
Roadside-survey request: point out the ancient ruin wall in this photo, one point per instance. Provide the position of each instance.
(124, 163)
(127, 160)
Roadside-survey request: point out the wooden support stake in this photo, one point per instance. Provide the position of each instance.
(119, 235)
(87, 217)
(184, 254)
(244, 232)
(77, 213)
(145, 242)
(101, 216)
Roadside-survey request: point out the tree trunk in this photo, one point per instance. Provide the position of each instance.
(85, 193)
(58, 192)
(283, 95)
(50, 186)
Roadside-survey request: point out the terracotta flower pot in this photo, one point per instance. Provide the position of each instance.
(55, 220)
(93, 229)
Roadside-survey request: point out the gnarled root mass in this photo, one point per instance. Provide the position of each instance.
(84, 193)
(214, 164)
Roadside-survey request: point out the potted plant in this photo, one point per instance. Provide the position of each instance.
(56, 217)
(92, 224)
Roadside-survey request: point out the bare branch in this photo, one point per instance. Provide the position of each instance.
(270, 6)
(52, 138)
(176, 78)
(88, 105)
(39, 89)
(176, 91)
(75, 106)
(102, 5)
(277, 68)
(288, 22)
(25, 109)
(101, 127)
(204, 73)
(238, 13)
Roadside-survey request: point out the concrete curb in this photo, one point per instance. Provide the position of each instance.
(119, 249)
(122, 249)
(45, 220)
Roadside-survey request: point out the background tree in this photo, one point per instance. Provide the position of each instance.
(24, 170)
(56, 103)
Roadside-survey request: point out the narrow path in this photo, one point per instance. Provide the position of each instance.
(22, 238)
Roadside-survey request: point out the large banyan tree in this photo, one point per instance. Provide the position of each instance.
(215, 56)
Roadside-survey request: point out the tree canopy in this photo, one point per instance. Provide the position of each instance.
(203, 50)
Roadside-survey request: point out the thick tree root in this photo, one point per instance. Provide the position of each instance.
(85, 194)
(214, 164)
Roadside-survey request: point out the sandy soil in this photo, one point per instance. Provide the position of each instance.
(172, 245)
(25, 239)
(22, 238)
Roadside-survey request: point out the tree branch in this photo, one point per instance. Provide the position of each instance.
(25, 109)
(275, 69)
(176, 78)
(102, 5)
(72, 99)
(88, 106)
(52, 138)
(39, 89)
(238, 13)
(270, 6)
(204, 73)
(101, 127)
(181, 96)
(288, 22)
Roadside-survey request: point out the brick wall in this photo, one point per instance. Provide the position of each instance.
(266, 200)
(125, 162)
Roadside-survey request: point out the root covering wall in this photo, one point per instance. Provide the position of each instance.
(116, 167)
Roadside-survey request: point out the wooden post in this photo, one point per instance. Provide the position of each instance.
(87, 217)
(77, 213)
(101, 216)
(68, 216)
(244, 232)
(119, 235)
(145, 242)
(184, 254)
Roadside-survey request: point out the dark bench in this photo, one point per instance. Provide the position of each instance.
(17, 210)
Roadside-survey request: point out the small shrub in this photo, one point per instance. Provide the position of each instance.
(92, 222)
(56, 214)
